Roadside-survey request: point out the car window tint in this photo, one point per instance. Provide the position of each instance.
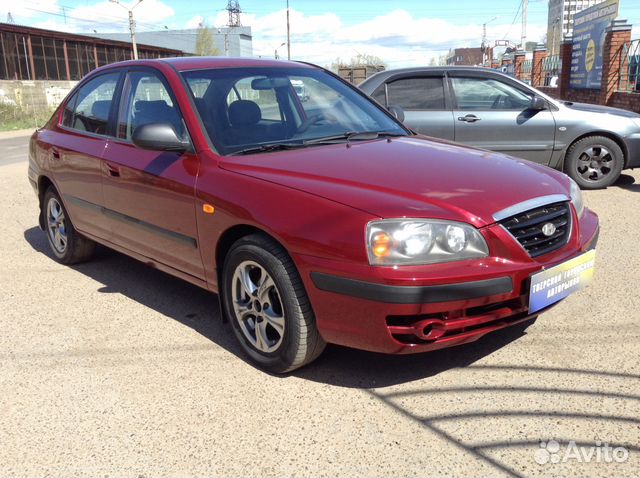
(148, 101)
(379, 95)
(249, 107)
(417, 94)
(67, 116)
(92, 105)
(488, 94)
(199, 86)
(264, 98)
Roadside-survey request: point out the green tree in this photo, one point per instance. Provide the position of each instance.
(204, 42)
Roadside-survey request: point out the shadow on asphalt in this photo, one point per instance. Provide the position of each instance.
(198, 309)
(627, 182)
(428, 404)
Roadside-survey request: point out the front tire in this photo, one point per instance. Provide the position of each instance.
(67, 245)
(268, 308)
(594, 162)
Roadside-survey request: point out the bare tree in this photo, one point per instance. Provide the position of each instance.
(204, 42)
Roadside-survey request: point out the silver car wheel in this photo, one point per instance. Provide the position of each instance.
(595, 162)
(56, 225)
(258, 307)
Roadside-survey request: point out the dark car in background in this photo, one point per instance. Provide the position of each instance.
(490, 110)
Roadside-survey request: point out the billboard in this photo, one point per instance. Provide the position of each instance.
(589, 30)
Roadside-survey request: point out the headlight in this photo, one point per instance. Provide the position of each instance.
(422, 241)
(576, 198)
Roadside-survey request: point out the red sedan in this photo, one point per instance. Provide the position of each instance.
(316, 221)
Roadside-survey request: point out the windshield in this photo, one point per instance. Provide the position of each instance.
(245, 108)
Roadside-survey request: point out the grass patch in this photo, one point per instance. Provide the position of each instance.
(13, 117)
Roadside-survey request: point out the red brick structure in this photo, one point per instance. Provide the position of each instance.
(518, 60)
(614, 78)
(537, 77)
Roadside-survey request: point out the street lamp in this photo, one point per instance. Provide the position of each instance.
(276, 56)
(132, 25)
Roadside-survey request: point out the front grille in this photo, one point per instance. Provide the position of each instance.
(527, 227)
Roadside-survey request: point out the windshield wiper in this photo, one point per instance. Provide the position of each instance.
(265, 148)
(352, 136)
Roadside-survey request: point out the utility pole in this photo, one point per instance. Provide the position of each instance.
(523, 38)
(288, 34)
(132, 25)
(484, 45)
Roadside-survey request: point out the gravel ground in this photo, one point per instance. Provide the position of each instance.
(113, 368)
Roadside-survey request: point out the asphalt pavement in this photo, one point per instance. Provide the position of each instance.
(113, 368)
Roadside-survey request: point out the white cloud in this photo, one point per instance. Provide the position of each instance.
(103, 16)
(24, 10)
(397, 37)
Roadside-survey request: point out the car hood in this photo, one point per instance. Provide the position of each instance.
(600, 109)
(407, 177)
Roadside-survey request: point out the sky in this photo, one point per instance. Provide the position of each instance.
(407, 33)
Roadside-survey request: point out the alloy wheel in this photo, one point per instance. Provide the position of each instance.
(258, 307)
(595, 163)
(56, 225)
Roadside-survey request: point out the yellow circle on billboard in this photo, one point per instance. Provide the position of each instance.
(590, 56)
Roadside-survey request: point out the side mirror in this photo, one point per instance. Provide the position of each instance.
(538, 103)
(397, 112)
(158, 137)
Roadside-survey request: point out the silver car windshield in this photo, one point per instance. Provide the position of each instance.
(247, 109)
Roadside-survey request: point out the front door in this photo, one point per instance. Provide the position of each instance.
(492, 114)
(149, 195)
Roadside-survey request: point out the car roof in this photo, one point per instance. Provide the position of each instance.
(186, 63)
(417, 70)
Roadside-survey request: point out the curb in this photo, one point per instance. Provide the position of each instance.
(16, 133)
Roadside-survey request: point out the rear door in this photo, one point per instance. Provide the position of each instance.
(149, 195)
(76, 150)
(494, 114)
(424, 102)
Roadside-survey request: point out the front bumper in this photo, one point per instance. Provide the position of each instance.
(423, 308)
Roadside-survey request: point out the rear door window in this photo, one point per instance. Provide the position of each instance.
(417, 94)
(89, 109)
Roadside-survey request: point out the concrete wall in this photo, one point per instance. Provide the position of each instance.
(34, 95)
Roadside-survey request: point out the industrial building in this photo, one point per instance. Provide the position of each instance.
(36, 54)
(228, 40)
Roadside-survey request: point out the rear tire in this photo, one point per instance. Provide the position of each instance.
(267, 305)
(594, 162)
(67, 245)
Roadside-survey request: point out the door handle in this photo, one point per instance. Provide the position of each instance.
(113, 171)
(55, 153)
(469, 118)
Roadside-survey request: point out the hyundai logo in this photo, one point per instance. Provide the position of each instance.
(548, 229)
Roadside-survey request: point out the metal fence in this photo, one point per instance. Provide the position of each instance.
(551, 68)
(525, 71)
(630, 70)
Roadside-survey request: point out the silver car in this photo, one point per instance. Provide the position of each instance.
(490, 110)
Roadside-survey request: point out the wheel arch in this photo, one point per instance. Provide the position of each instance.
(607, 134)
(226, 241)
